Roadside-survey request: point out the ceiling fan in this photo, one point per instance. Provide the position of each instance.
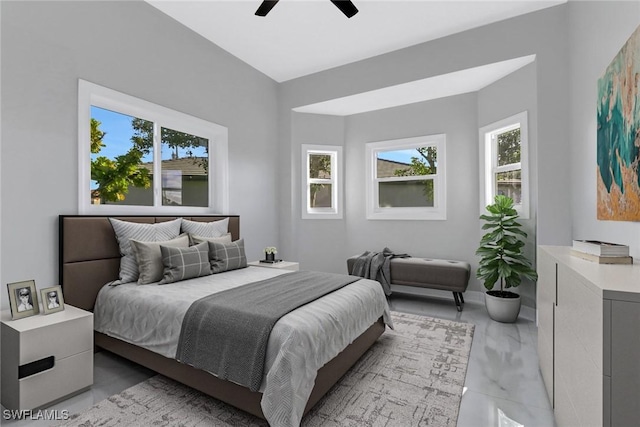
(346, 6)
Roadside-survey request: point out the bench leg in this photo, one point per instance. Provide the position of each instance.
(457, 299)
(461, 297)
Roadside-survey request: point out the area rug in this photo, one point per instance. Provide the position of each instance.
(412, 376)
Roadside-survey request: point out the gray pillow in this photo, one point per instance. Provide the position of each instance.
(199, 239)
(185, 263)
(206, 229)
(227, 256)
(126, 230)
(149, 257)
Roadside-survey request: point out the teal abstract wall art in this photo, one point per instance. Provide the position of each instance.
(618, 139)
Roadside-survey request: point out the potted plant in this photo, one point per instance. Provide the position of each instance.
(501, 259)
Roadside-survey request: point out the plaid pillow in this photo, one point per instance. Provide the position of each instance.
(227, 256)
(185, 263)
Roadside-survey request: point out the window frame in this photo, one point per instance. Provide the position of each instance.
(438, 211)
(90, 94)
(489, 161)
(335, 211)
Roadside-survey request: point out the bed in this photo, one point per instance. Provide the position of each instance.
(90, 259)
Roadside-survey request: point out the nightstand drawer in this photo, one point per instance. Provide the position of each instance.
(67, 376)
(60, 340)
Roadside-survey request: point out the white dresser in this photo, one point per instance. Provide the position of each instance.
(589, 339)
(45, 357)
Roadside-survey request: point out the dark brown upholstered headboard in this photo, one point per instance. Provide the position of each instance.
(89, 255)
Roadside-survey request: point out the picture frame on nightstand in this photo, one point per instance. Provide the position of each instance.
(23, 299)
(52, 299)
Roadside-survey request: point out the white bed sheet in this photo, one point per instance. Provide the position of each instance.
(301, 342)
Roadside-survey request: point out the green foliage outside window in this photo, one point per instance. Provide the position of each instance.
(425, 163)
(115, 176)
(319, 167)
(509, 147)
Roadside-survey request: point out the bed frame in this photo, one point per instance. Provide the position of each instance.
(89, 258)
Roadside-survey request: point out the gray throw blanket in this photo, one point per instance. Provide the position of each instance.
(375, 265)
(227, 333)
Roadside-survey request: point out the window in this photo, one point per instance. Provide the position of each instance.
(504, 163)
(139, 157)
(322, 182)
(406, 178)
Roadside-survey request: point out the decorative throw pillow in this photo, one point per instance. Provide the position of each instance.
(206, 229)
(126, 230)
(185, 263)
(149, 257)
(227, 256)
(199, 239)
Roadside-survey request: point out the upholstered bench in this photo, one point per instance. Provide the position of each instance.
(429, 273)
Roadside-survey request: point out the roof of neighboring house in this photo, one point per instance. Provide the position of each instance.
(188, 165)
(387, 168)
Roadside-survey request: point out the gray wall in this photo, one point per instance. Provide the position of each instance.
(455, 238)
(511, 95)
(320, 242)
(133, 48)
(542, 33)
(598, 32)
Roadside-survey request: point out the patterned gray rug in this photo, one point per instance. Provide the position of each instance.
(412, 376)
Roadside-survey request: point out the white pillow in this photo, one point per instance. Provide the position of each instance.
(126, 230)
(206, 229)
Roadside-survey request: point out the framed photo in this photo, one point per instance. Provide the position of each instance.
(52, 299)
(23, 299)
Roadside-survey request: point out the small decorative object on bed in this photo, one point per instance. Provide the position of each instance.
(270, 253)
(23, 299)
(52, 299)
(501, 259)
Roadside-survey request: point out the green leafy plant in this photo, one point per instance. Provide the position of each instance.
(500, 249)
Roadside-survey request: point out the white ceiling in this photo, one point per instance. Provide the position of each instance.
(301, 37)
(459, 82)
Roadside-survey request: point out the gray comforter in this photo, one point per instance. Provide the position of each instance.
(227, 333)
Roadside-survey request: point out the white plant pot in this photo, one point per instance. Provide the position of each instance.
(501, 309)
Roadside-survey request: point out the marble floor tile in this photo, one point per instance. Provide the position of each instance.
(482, 410)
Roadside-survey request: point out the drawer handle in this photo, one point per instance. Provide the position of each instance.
(33, 368)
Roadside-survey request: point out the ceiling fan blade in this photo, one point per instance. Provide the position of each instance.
(346, 6)
(265, 7)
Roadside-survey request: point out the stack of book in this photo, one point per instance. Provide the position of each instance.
(601, 252)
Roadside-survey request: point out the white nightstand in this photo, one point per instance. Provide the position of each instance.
(283, 265)
(45, 357)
